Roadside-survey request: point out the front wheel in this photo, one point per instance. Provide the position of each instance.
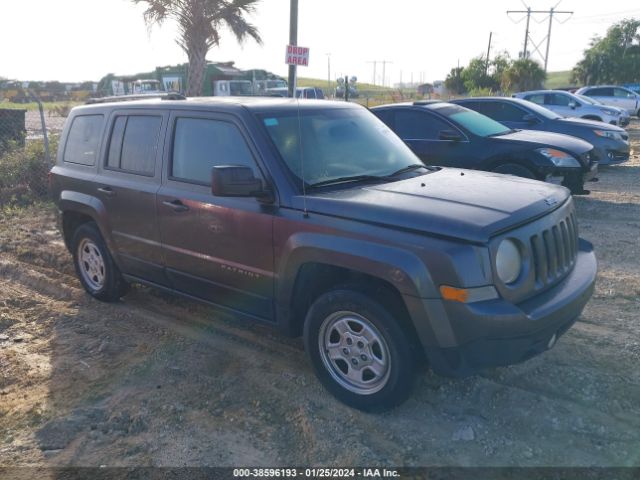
(358, 350)
(575, 184)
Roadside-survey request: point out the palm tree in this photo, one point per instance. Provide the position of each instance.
(523, 74)
(199, 24)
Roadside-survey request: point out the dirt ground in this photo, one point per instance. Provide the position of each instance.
(161, 381)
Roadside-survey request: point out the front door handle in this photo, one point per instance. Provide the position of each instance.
(176, 205)
(108, 191)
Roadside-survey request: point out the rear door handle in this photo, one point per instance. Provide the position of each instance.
(176, 205)
(108, 191)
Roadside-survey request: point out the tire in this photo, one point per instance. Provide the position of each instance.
(371, 366)
(515, 169)
(94, 265)
(575, 184)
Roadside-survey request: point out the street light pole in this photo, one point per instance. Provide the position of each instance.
(293, 40)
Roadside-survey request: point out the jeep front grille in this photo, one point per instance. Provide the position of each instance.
(554, 251)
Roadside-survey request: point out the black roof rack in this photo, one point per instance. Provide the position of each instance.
(427, 102)
(128, 98)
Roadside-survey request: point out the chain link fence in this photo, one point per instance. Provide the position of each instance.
(28, 142)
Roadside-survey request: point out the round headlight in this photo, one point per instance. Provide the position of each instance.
(508, 261)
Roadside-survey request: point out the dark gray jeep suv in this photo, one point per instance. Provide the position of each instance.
(315, 217)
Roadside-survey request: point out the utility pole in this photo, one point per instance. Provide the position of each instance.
(384, 66)
(551, 12)
(546, 56)
(526, 34)
(293, 40)
(486, 69)
(375, 62)
(328, 72)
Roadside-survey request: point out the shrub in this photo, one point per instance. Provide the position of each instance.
(23, 172)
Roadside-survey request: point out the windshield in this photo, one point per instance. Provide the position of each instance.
(240, 88)
(474, 122)
(588, 100)
(543, 112)
(276, 84)
(336, 143)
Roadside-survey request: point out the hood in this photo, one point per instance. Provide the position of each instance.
(593, 124)
(462, 204)
(538, 138)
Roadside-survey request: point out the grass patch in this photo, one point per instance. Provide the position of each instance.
(558, 80)
(34, 106)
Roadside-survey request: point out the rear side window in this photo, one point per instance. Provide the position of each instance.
(537, 98)
(134, 144)
(200, 144)
(600, 92)
(83, 139)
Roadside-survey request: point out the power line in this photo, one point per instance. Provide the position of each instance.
(612, 14)
(550, 16)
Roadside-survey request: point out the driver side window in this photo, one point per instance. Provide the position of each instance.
(414, 125)
(620, 93)
(560, 100)
(200, 144)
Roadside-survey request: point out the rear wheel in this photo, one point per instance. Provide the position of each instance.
(359, 351)
(514, 169)
(94, 265)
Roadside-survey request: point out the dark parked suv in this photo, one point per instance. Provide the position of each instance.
(316, 218)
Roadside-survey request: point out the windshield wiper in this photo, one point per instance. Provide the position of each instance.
(364, 178)
(355, 178)
(408, 168)
(500, 134)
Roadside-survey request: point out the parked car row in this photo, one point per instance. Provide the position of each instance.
(611, 143)
(315, 218)
(451, 135)
(568, 104)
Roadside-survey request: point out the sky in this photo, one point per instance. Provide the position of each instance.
(77, 40)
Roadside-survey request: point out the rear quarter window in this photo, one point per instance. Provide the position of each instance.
(134, 143)
(83, 140)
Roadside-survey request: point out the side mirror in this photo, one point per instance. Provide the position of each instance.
(530, 118)
(236, 181)
(573, 105)
(450, 135)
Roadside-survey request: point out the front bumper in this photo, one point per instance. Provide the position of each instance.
(613, 152)
(497, 333)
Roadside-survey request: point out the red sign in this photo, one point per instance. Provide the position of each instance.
(297, 56)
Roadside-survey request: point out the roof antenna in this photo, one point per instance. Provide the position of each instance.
(304, 183)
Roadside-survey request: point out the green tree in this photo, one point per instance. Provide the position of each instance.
(476, 77)
(612, 59)
(454, 82)
(479, 75)
(199, 28)
(523, 74)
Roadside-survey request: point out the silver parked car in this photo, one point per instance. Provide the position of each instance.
(625, 118)
(569, 105)
(614, 96)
